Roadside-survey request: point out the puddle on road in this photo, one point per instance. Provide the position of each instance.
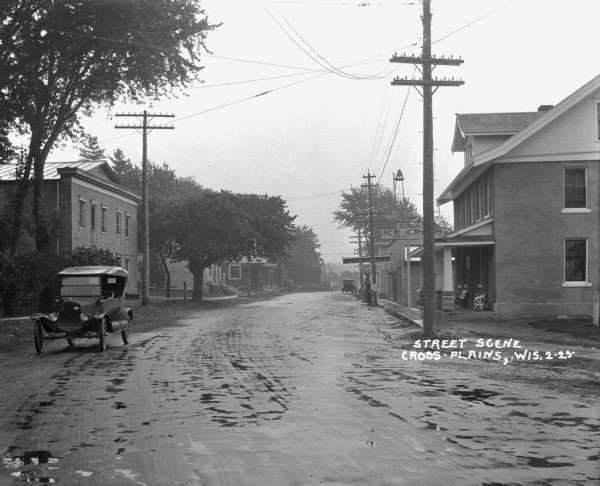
(476, 395)
(544, 462)
(27, 463)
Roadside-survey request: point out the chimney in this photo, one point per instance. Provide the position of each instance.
(545, 107)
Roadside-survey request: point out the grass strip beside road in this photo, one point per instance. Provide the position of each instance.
(17, 333)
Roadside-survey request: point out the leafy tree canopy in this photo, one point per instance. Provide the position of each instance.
(304, 261)
(211, 227)
(61, 59)
(353, 212)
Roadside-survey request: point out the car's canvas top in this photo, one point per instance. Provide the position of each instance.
(95, 270)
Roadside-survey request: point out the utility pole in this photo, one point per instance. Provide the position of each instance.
(370, 176)
(360, 254)
(425, 64)
(145, 128)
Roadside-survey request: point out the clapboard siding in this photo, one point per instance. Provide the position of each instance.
(571, 133)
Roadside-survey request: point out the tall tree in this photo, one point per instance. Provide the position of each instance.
(354, 208)
(212, 227)
(164, 186)
(304, 261)
(91, 151)
(62, 59)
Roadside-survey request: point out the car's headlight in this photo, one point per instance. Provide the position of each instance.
(84, 316)
(54, 316)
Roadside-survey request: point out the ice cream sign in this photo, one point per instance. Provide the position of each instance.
(409, 230)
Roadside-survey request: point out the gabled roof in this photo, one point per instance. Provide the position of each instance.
(490, 124)
(546, 118)
(7, 172)
(543, 118)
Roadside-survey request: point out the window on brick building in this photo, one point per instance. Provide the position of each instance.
(127, 222)
(93, 216)
(81, 213)
(575, 188)
(576, 260)
(118, 223)
(103, 215)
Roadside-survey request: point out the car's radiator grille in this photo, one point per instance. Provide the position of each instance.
(70, 312)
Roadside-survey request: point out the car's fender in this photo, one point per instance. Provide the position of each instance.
(118, 318)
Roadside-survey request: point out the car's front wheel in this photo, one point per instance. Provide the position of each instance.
(38, 337)
(102, 335)
(125, 332)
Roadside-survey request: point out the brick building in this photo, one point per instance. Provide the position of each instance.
(526, 209)
(96, 210)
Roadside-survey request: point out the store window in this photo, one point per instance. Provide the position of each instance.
(575, 260)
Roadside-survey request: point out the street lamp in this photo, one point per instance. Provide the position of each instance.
(398, 177)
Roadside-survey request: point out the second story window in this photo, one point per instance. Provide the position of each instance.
(118, 223)
(127, 222)
(103, 214)
(93, 216)
(476, 214)
(598, 120)
(485, 197)
(575, 188)
(81, 213)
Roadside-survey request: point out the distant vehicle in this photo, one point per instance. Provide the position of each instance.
(90, 304)
(348, 286)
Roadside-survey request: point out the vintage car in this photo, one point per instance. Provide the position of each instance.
(90, 304)
(348, 286)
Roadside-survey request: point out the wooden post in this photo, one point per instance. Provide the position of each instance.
(596, 312)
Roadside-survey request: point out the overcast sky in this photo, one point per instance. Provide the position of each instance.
(320, 130)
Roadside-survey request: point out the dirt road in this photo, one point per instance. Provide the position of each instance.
(300, 389)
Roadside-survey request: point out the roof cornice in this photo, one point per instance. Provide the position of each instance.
(86, 176)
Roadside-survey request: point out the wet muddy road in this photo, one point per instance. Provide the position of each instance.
(301, 389)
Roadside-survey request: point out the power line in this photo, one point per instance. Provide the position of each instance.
(325, 64)
(387, 159)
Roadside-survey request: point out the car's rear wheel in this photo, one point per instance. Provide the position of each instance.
(125, 332)
(38, 337)
(102, 335)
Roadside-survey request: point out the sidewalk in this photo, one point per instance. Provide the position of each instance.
(521, 329)
(412, 315)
